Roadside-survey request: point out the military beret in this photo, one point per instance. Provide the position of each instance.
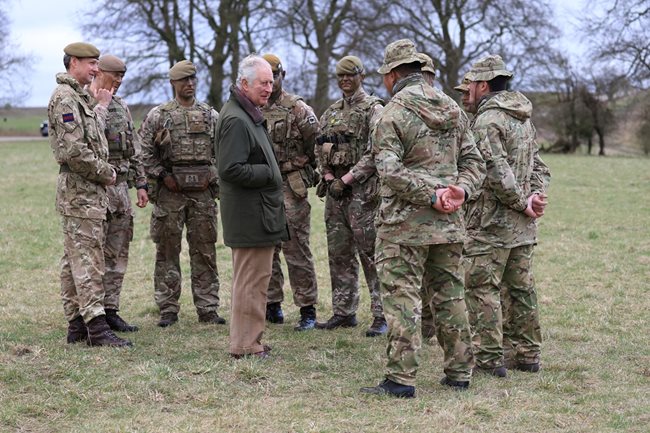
(110, 63)
(487, 68)
(274, 61)
(81, 50)
(428, 64)
(350, 65)
(182, 69)
(464, 85)
(399, 53)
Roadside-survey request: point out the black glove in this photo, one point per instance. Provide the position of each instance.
(338, 189)
(321, 188)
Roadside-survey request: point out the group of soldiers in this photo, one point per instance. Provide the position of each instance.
(439, 210)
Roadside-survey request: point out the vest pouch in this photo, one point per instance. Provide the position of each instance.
(192, 178)
(197, 122)
(297, 184)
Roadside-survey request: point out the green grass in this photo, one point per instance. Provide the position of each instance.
(592, 269)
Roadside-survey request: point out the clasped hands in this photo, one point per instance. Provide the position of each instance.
(536, 205)
(449, 199)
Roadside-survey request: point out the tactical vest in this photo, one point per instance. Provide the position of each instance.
(119, 132)
(191, 131)
(348, 129)
(279, 119)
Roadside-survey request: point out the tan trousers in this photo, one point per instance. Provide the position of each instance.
(251, 269)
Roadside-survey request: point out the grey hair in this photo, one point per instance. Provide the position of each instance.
(247, 69)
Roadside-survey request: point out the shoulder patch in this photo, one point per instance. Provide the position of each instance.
(68, 117)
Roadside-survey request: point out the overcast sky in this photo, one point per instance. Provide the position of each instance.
(43, 28)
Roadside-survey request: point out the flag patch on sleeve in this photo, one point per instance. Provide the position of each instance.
(68, 117)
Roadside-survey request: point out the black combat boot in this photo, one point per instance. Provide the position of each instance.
(100, 334)
(167, 319)
(492, 371)
(337, 321)
(528, 368)
(77, 332)
(211, 317)
(378, 327)
(394, 389)
(307, 319)
(274, 313)
(458, 385)
(116, 323)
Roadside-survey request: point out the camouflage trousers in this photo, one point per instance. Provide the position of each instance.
(502, 304)
(297, 254)
(408, 274)
(82, 268)
(198, 212)
(350, 232)
(118, 234)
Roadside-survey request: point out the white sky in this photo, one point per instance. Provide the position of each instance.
(42, 28)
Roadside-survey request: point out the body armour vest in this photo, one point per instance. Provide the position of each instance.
(287, 141)
(119, 131)
(191, 132)
(348, 129)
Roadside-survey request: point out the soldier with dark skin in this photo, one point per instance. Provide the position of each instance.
(124, 154)
(80, 148)
(293, 129)
(177, 150)
(349, 181)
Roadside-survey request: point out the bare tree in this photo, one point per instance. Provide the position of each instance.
(12, 63)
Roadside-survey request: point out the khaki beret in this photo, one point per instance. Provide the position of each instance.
(81, 50)
(182, 69)
(488, 68)
(428, 64)
(350, 65)
(464, 85)
(110, 63)
(399, 53)
(274, 61)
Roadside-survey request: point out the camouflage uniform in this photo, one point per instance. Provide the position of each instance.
(179, 140)
(343, 147)
(501, 237)
(124, 155)
(81, 150)
(293, 129)
(422, 142)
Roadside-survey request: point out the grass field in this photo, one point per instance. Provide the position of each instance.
(593, 275)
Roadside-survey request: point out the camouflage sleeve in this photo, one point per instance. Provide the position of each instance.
(150, 153)
(71, 147)
(500, 177)
(388, 151)
(309, 129)
(541, 177)
(365, 167)
(136, 160)
(471, 167)
(101, 113)
(318, 150)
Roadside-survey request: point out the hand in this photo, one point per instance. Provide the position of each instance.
(170, 183)
(321, 188)
(449, 199)
(113, 178)
(539, 203)
(104, 97)
(143, 197)
(337, 189)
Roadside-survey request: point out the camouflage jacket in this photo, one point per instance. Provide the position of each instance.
(422, 141)
(189, 141)
(348, 122)
(293, 129)
(506, 138)
(80, 148)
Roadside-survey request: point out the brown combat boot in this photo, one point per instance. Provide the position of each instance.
(100, 334)
(211, 317)
(77, 332)
(116, 323)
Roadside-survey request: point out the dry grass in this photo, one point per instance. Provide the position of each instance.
(592, 269)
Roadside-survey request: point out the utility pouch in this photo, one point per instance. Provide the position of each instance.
(297, 184)
(192, 178)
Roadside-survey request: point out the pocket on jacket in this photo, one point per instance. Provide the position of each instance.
(273, 219)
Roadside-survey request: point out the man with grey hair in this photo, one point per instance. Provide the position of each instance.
(252, 203)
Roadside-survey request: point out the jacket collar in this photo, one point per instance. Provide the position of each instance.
(254, 112)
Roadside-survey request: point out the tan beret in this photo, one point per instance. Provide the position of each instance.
(350, 65)
(182, 69)
(274, 61)
(110, 63)
(81, 50)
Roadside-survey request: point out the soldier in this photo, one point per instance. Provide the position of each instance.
(428, 70)
(80, 149)
(350, 183)
(124, 155)
(178, 156)
(293, 128)
(428, 164)
(502, 223)
(463, 88)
